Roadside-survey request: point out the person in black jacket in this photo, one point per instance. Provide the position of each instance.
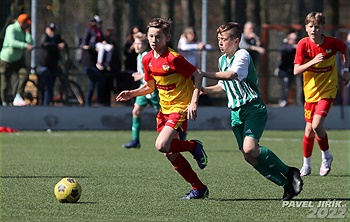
(92, 35)
(48, 59)
(286, 66)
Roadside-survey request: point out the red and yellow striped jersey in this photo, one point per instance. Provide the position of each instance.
(321, 79)
(172, 74)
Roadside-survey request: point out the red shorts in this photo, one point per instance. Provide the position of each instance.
(321, 108)
(177, 121)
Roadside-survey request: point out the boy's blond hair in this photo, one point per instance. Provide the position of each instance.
(316, 18)
(142, 37)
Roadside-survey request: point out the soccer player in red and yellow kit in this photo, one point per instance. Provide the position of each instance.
(316, 59)
(172, 74)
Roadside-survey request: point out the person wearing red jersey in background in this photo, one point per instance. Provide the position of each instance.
(316, 59)
(172, 74)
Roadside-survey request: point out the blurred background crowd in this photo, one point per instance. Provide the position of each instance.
(82, 51)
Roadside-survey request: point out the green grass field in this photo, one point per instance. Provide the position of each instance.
(140, 184)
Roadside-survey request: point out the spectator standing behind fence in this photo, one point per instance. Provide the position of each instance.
(114, 71)
(93, 35)
(316, 59)
(130, 64)
(251, 42)
(141, 46)
(190, 47)
(286, 66)
(48, 57)
(17, 40)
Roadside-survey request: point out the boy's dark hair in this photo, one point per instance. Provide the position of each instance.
(161, 23)
(315, 17)
(233, 27)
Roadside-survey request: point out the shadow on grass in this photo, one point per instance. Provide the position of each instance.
(243, 199)
(83, 202)
(235, 150)
(330, 175)
(30, 177)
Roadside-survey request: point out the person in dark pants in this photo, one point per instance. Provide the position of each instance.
(89, 58)
(286, 66)
(49, 56)
(17, 41)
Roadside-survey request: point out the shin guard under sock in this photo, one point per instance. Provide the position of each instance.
(323, 143)
(273, 168)
(178, 145)
(183, 167)
(308, 145)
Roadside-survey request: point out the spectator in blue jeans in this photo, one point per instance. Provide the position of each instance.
(48, 59)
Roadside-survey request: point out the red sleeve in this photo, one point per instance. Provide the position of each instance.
(299, 56)
(341, 46)
(145, 62)
(183, 66)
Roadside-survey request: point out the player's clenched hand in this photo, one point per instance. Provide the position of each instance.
(318, 58)
(123, 96)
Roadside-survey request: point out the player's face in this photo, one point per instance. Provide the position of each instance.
(157, 39)
(139, 46)
(227, 44)
(314, 31)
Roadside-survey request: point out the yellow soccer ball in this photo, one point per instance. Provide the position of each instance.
(68, 190)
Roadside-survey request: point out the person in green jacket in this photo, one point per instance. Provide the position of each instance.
(17, 40)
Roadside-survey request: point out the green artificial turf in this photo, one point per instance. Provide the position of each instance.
(140, 185)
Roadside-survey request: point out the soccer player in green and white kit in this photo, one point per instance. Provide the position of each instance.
(141, 45)
(237, 77)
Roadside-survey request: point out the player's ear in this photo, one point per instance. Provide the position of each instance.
(168, 37)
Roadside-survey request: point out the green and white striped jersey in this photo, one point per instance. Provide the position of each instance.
(244, 89)
(140, 66)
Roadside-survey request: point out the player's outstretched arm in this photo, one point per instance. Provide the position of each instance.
(145, 89)
(226, 75)
(212, 89)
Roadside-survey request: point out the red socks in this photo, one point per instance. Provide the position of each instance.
(183, 167)
(178, 146)
(308, 145)
(323, 143)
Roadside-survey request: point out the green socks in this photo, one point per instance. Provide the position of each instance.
(271, 167)
(135, 129)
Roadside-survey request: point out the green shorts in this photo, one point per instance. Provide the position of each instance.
(152, 99)
(249, 120)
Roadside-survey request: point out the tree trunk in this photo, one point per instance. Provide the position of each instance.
(241, 12)
(226, 8)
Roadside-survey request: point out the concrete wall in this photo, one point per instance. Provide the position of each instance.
(119, 118)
